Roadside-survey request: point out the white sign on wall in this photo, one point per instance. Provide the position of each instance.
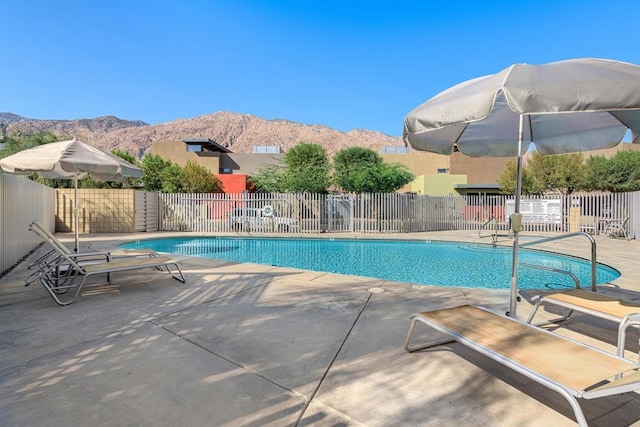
(546, 211)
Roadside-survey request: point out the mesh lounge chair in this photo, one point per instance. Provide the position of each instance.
(617, 228)
(574, 370)
(63, 272)
(46, 235)
(588, 224)
(82, 258)
(624, 313)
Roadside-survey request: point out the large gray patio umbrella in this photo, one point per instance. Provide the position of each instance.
(561, 107)
(70, 160)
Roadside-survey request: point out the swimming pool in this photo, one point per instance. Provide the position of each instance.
(420, 262)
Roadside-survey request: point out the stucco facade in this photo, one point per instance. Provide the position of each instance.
(438, 174)
(248, 164)
(437, 185)
(421, 162)
(479, 170)
(220, 163)
(435, 173)
(177, 152)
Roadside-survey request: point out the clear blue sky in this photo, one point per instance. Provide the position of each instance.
(344, 64)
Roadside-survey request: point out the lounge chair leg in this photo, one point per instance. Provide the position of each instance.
(577, 410)
(534, 311)
(627, 322)
(55, 290)
(433, 343)
(179, 276)
(548, 322)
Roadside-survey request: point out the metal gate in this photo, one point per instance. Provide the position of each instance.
(339, 214)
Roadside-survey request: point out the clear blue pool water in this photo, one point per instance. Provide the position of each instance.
(419, 262)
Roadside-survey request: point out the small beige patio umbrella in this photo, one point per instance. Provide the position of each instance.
(70, 160)
(560, 107)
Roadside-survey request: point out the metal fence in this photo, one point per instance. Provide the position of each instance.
(384, 213)
(21, 202)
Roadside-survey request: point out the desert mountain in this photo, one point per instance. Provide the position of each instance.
(238, 132)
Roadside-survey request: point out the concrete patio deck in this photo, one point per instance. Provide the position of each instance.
(255, 345)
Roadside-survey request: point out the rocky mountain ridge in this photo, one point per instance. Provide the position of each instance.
(238, 132)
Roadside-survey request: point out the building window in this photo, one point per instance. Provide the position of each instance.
(443, 170)
(225, 170)
(194, 148)
(266, 149)
(394, 149)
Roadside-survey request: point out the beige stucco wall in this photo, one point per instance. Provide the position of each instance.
(437, 185)
(236, 163)
(101, 210)
(479, 170)
(247, 163)
(176, 151)
(610, 152)
(419, 162)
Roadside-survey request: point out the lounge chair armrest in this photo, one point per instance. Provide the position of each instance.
(88, 256)
(632, 319)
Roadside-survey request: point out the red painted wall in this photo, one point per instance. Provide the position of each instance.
(233, 183)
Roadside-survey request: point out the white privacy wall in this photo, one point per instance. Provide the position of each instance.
(21, 202)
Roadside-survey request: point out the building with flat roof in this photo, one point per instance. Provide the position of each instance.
(436, 174)
(456, 174)
(459, 174)
(232, 168)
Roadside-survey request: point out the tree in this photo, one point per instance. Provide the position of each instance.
(507, 180)
(128, 182)
(154, 167)
(623, 171)
(393, 177)
(362, 170)
(305, 168)
(596, 173)
(18, 142)
(171, 178)
(564, 172)
(198, 179)
(125, 155)
(270, 178)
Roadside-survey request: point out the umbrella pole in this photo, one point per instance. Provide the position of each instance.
(76, 209)
(513, 300)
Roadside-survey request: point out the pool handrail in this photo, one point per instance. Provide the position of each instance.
(493, 219)
(555, 270)
(568, 235)
(494, 232)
